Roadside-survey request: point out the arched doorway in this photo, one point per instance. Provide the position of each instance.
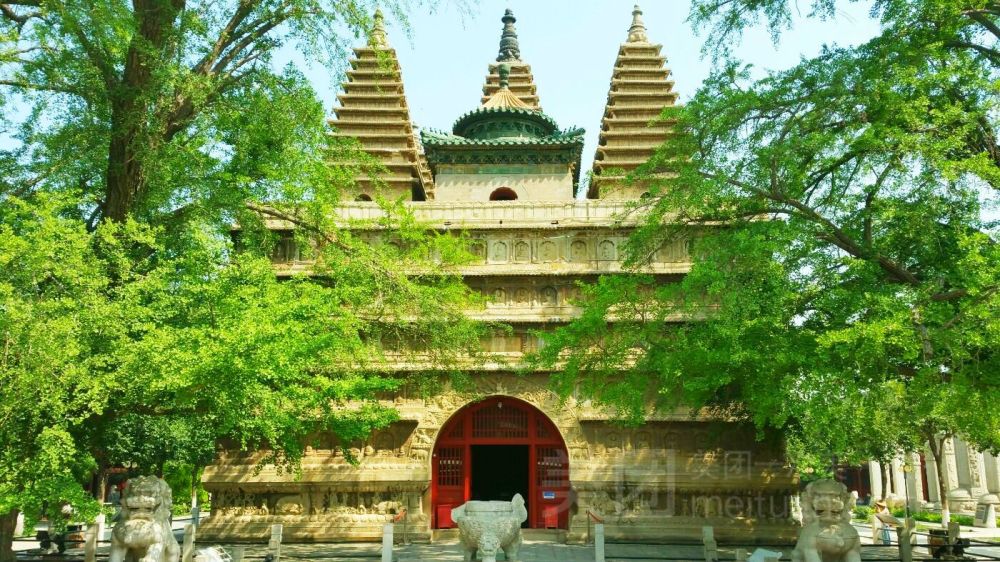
(503, 194)
(493, 449)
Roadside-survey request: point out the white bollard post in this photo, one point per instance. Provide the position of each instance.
(19, 524)
(187, 550)
(238, 552)
(598, 542)
(387, 542)
(99, 522)
(711, 547)
(904, 535)
(274, 545)
(90, 544)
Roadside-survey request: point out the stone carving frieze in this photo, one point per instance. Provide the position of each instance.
(323, 503)
(621, 504)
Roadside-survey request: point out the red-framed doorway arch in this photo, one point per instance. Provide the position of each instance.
(502, 420)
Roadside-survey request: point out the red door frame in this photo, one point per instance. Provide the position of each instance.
(549, 474)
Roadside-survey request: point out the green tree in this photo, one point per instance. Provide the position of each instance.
(846, 271)
(134, 331)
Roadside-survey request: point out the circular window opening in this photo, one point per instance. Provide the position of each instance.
(363, 197)
(503, 194)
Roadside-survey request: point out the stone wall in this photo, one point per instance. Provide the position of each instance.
(665, 478)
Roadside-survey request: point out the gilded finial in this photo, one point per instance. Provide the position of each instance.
(504, 71)
(637, 33)
(509, 50)
(378, 38)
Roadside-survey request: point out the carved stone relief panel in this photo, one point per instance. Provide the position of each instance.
(674, 251)
(606, 251)
(549, 296)
(499, 252)
(499, 297)
(578, 251)
(522, 251)
(522, 296)
(547, 251)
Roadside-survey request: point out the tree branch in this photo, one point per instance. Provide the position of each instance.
(97, 57)
(986, 51)
(226, 36)
(980, 17)
(20, 19)
(39, 87)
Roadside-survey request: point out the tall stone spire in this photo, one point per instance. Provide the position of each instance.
(640, 88)
(521, 81)
(378, 38)
(509, 49)
(637, 33)
(373, 111)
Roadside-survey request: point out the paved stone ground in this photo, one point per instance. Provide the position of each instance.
(531, 551)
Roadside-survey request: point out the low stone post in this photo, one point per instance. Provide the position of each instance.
(90, 544)
(100, 523)
(711, 546)
(19, 524)
(954, 530)
(986, 514)
(904, 535)
(598, 542)
(387, 542)
(238, 552)
(741, 555)
(187, 550)
(274, 545)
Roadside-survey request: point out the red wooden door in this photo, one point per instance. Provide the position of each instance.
(502, 421)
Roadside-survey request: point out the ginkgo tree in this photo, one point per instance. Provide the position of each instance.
(842, 220)
(140, 139)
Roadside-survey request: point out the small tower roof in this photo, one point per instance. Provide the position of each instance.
(372, 110)
(521, 83)
(510, 51)
(378, 38)
(504, 98)
(640, 88)
(637, 33)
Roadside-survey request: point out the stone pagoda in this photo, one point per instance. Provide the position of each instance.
(374, 113)
(506, 174)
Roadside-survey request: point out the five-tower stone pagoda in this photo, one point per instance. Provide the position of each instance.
(507, 175)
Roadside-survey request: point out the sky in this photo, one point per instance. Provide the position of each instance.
(571, 46)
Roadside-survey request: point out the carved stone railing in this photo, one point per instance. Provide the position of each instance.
(509, 214)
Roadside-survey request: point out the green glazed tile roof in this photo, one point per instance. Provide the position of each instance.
(565, 138)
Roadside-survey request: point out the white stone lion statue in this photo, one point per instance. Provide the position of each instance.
(142, 533)
(827, 534)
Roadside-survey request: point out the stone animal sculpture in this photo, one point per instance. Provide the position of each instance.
(827, 534)
(489, 526)
(142, 533)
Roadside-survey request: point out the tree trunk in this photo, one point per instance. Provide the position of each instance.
(131, 129)
(194, 487)
(886, 480)
(936, 445)
(125, 174)
(7, 523)
(102, 483)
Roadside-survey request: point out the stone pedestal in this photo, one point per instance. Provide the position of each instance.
(986, 511)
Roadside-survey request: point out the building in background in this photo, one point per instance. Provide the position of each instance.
(971, 477)
(508, 175)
